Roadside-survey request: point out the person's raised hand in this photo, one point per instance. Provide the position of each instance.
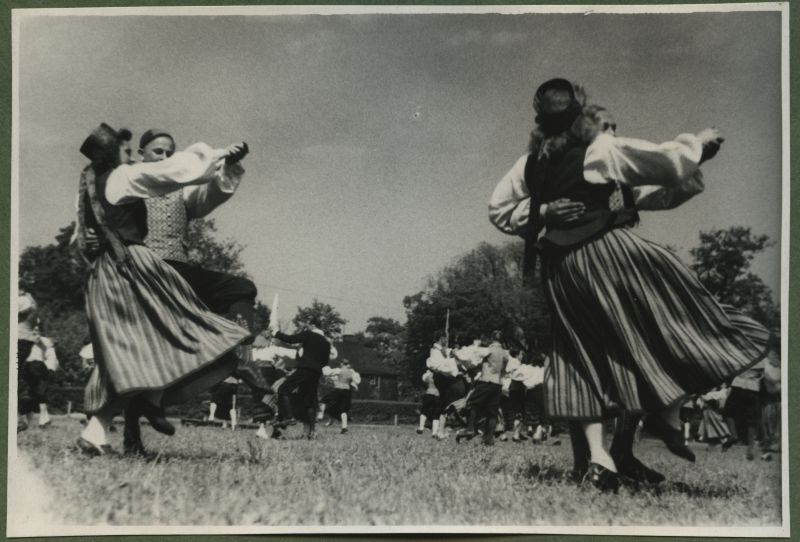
(711, 140)
(234, 153)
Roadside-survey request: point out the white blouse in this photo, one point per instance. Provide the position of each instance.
(662, 176)
(439, 363)
(198, 165)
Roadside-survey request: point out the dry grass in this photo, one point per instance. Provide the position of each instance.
(383, 476)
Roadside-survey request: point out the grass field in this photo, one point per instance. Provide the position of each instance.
(383, 476)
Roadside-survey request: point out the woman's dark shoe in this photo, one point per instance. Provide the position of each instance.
(464, 434)
(92, 449)
(632, 468)
(672, 437)
(730, 441)
(283, 424)
(602, 478)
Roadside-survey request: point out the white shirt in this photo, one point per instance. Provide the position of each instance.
(532, 375)
(662, 176)
(44, 351)
(431, 388)
(439, 363)
(197, 165)
(473, 355)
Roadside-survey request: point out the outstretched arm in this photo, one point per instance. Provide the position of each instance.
(199, 164)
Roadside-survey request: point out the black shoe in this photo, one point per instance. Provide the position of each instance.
(419, 431)
(283, 424)
(92, 449)
(343, 431)
(671, 436)
(602, 478)
(464, 434)
(730, 441)
(632, 468)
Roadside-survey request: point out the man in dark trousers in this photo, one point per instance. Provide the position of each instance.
(484, 401)
(316, 352)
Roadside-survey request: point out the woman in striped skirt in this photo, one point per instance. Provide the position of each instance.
(633, 328)
(714, 429)
(154, 341)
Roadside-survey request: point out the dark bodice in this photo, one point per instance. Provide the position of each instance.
(128, 221)
(562, 177)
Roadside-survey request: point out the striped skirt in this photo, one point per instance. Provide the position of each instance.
(151, 332)
(634, 330)
(714, 427)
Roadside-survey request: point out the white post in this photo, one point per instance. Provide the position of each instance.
(395, 419)
(69, 408)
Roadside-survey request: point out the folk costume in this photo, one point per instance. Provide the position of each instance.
(431, 407)
(316, 352)
(713, 426)
(448, 381)
(153, 339)
(633, 328)
(484, 401)
(338, 401)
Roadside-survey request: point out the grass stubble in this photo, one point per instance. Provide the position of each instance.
(383, 476)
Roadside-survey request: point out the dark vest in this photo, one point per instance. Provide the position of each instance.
(562, 177)
(128, 220)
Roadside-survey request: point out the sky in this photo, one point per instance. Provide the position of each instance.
(376, 140)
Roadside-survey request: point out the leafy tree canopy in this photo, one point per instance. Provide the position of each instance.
(322, 315)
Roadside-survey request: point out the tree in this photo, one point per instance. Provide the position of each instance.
(722, 263)
(322, 315)
(53, 274)
(206, 250)
(261, 317)
(483, 291)
(385, 334)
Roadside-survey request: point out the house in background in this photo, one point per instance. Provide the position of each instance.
(378, 379)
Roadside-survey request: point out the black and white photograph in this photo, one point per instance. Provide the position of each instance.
(399, 269)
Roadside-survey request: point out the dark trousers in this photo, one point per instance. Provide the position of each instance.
(26, 400)
(224, 294)
(306, 382)
(484, 402)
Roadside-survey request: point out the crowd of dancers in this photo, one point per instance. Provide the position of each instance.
(635, 334)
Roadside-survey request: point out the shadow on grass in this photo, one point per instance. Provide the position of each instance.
(547, 474)
(714, 491)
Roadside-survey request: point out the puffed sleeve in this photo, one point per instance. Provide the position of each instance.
(198, 164)
(659, 198)
(637, 162)
(510, 204)
(200, 200)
